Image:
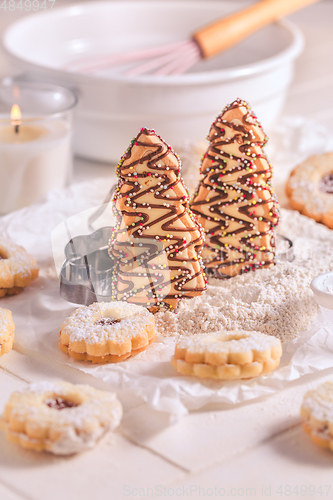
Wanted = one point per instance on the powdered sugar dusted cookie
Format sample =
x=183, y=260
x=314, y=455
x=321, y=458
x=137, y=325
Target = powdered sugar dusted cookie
x=310, y=188
x=107, y=332
x=227, y=356
x=7, y=328
x=317, y=415
x=17, y=268
x=60, y=418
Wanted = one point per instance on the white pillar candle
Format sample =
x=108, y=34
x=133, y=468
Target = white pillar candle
x=32, y=162
x=35, y=149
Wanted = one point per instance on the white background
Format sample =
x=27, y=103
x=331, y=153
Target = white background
x=246, y=451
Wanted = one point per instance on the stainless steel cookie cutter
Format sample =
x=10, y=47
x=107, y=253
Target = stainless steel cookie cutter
x=285, y=249
x=86, y=274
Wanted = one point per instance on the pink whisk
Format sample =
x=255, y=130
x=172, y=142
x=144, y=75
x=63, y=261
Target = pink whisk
x=178, y=57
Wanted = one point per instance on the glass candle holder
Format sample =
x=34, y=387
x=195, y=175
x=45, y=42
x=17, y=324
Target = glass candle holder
x=35, y=141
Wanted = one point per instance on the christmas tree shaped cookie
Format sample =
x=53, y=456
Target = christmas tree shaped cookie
x=157, y=243
x=235, y=202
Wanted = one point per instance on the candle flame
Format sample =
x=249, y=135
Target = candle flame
x=15, y=115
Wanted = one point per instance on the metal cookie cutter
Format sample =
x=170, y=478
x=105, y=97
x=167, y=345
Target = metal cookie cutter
x=284, y=249
x=86, y=274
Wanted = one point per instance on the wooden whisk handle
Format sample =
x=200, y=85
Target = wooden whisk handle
x=228, y=31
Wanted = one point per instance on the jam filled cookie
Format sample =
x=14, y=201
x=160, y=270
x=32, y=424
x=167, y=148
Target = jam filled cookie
x=227, y=356
x=317, y=415
x=17, y=268
x=310, y=188
x=107, y=332
x=60, y=418
x=7, y=328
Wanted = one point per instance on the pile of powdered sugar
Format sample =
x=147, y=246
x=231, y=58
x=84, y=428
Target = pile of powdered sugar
x=275, y=301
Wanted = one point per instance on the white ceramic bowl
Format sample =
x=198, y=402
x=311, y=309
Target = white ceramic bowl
x=322, y=287
x=114, y=107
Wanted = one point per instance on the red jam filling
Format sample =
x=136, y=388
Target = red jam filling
x=107, y=321
x=60, y=404
x=326, y=184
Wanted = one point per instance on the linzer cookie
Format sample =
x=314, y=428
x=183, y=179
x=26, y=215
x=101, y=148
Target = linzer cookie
x=317, y=415
x=17, y=268
x=107, y=332
x=7, y=329
x=60, y=418
x=227, y=356
x=157, y=242
x=310, y=188
x=235, y=202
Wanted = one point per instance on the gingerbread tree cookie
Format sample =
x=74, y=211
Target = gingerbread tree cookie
x=235, y=202
x=157, y=243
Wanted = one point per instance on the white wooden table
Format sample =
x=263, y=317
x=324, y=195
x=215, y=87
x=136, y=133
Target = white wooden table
x=253, y=450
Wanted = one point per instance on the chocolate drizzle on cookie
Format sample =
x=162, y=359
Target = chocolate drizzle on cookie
x=235, y=202
x=60, y=403
x=326, y=184
x=157, y=242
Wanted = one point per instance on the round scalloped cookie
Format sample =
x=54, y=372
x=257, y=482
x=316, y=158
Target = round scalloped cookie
x=17, y=268
x=107, y=332
x=60, y=418
x=227, y=356
x=310, y=188
x=7, y=329
x=317, y=415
